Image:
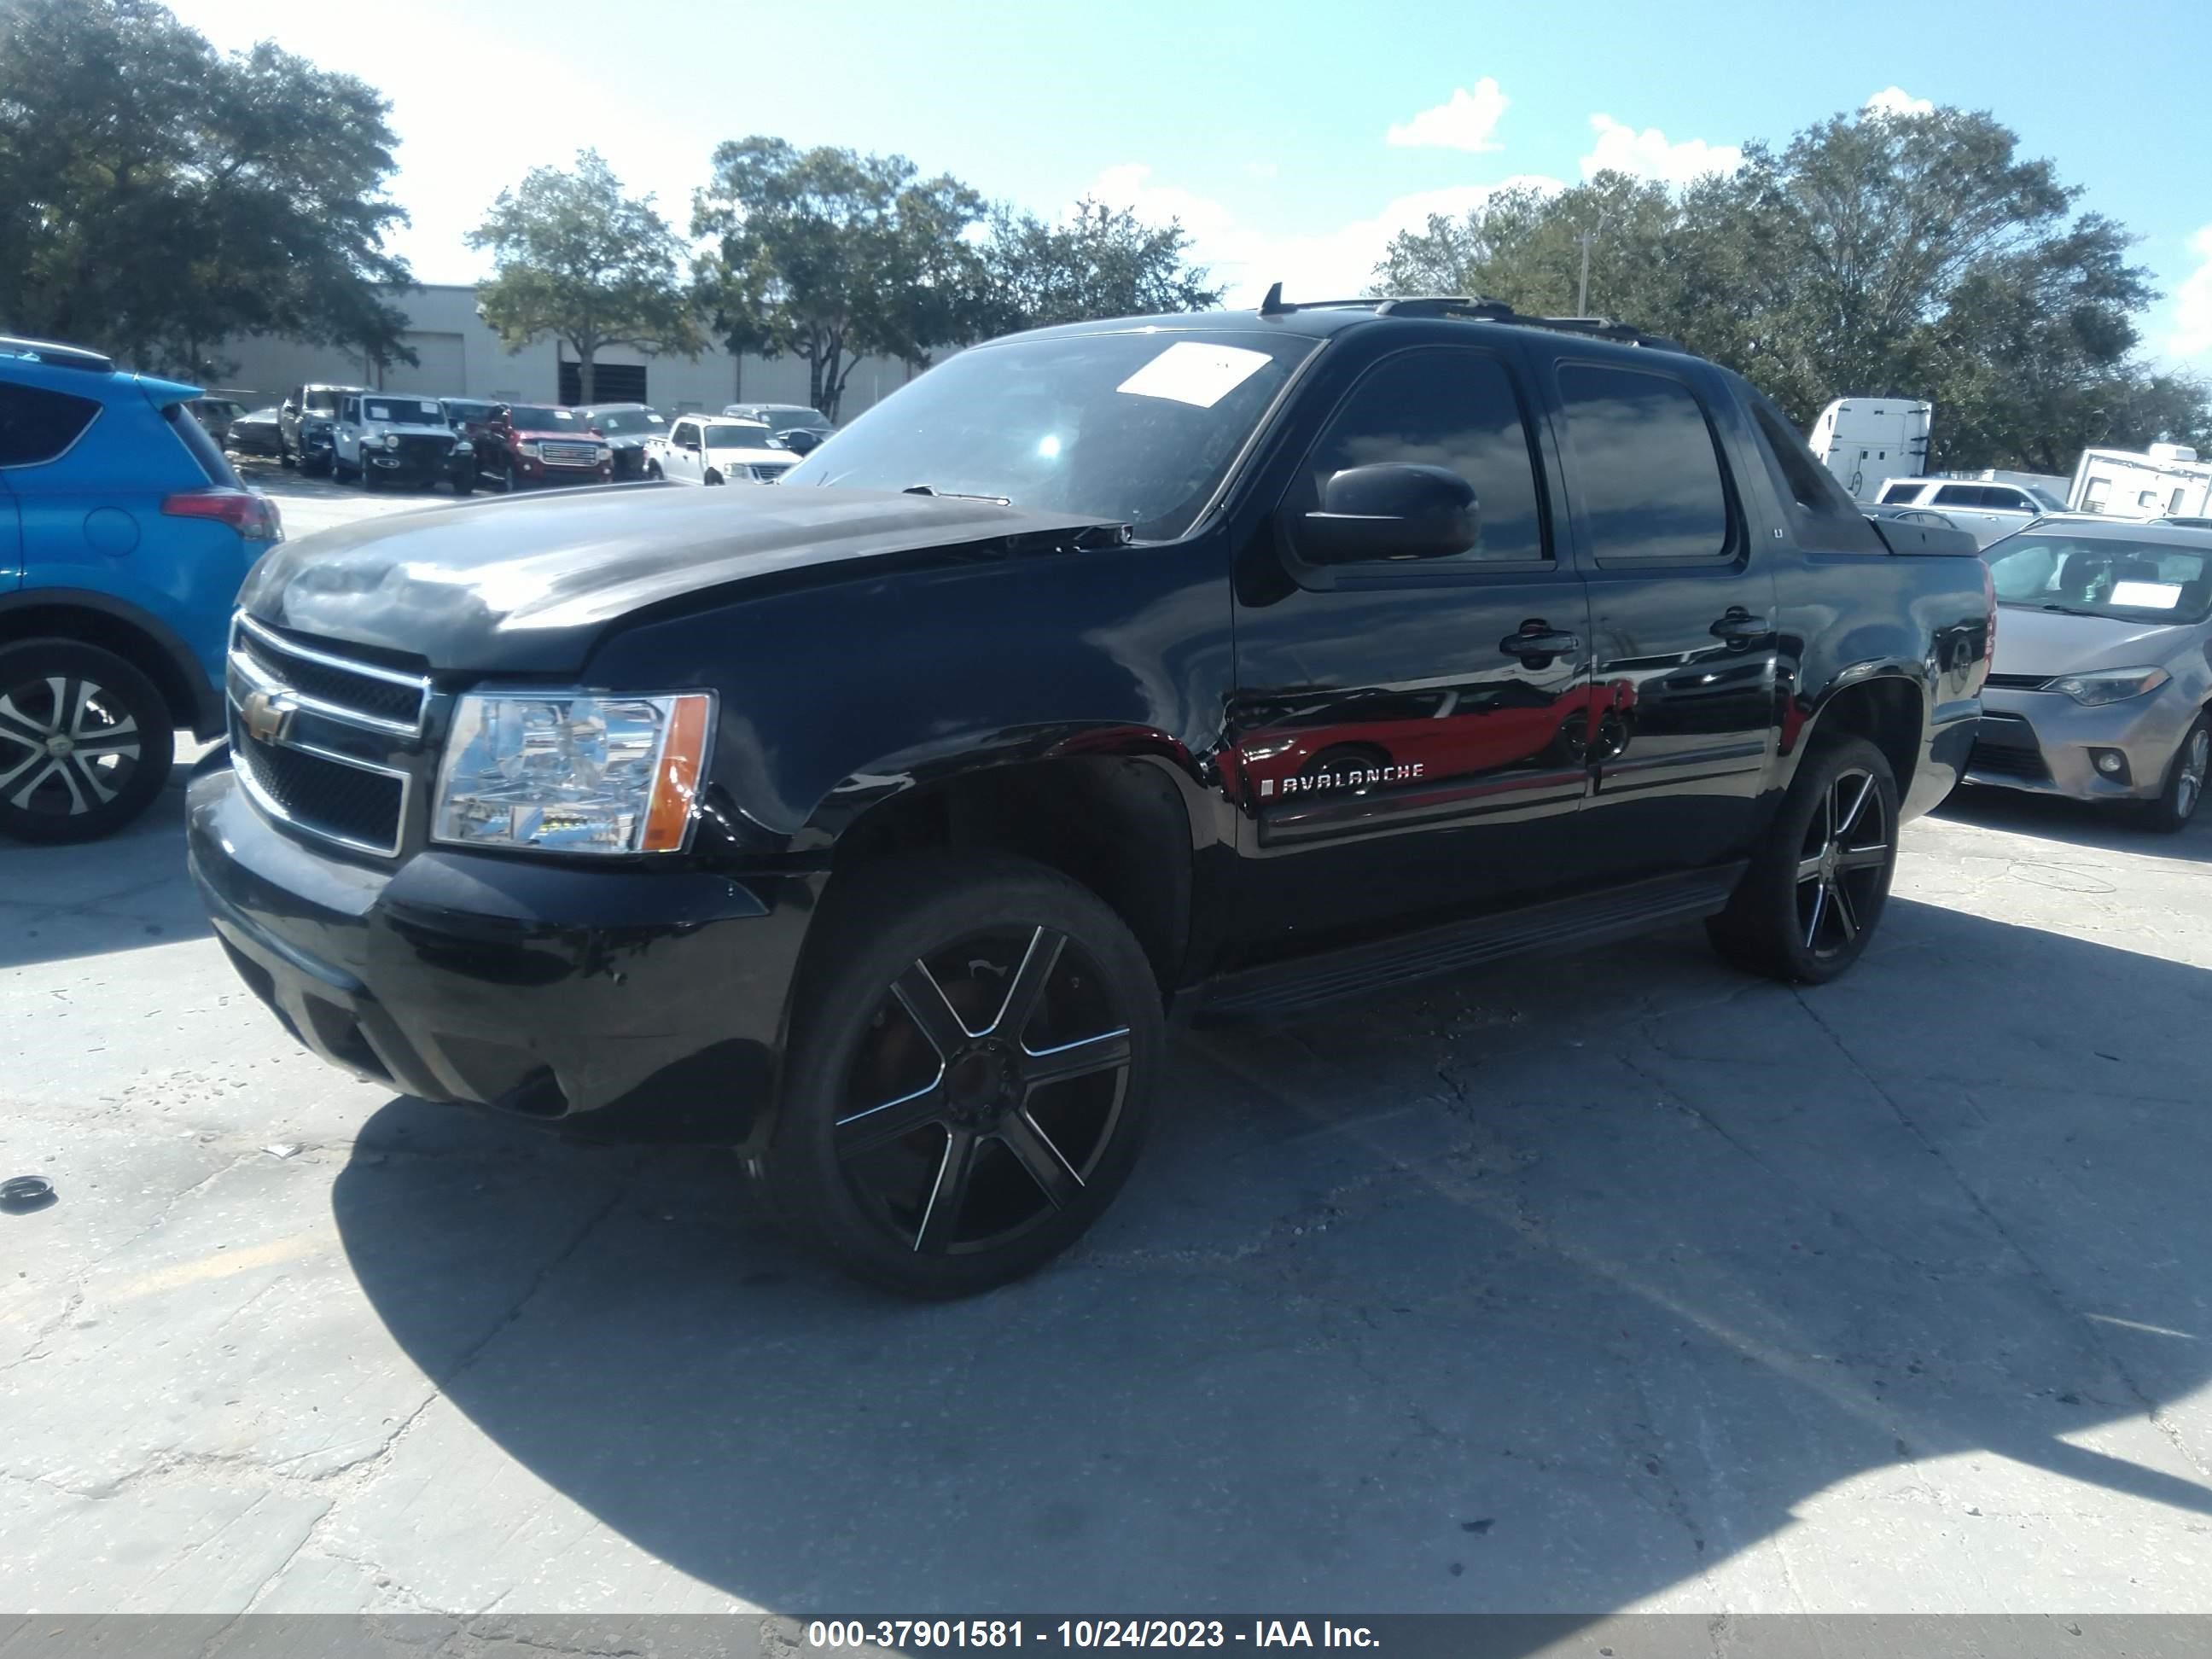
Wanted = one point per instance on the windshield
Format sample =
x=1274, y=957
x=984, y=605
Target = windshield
x=405, y=412
x=1137, y=428
x=531, y=418
x=617, y=423
x=458, y=408
x=737, y=437
x=2129, y=580
x=793, y=419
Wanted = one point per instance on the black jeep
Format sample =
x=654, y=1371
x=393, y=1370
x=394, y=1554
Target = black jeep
x=1200, y=664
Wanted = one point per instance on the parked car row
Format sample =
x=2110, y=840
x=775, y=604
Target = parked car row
x=358, y=435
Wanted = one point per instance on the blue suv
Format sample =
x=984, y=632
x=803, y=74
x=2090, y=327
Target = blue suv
x=124, y=537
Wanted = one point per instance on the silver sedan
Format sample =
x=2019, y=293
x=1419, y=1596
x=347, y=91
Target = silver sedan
x=2101, y=678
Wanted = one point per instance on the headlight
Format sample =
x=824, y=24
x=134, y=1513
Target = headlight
x=526, y=448
x=2109, y=684
x=463, y=447
x=391, y=441
x=571, y=772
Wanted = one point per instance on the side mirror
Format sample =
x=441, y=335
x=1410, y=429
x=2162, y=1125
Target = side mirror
x=1370, y=514
x=799, y=440
x=289, y=408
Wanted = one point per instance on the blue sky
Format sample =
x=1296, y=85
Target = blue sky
x=1291, y=139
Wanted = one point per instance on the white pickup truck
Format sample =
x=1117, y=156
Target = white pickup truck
x=713, y=449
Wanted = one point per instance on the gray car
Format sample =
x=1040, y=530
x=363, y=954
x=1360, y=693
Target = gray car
x=2101, y=678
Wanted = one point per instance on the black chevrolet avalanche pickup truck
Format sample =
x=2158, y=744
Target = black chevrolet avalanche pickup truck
x=1200, y=664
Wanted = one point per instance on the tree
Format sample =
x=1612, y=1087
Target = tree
x=578, y=260
x=832, y=256
x=157, y=197
x=1914, y=255
x=1101, y=262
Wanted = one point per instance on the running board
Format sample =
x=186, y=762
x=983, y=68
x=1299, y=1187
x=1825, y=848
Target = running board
x=1571, y=924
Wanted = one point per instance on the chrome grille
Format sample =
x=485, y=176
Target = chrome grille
x=568, y=454
x=325, y=744
x=2017, y=682
x=768, y=474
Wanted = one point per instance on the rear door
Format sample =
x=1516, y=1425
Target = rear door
x=1407, y=737
x=1682, y=606
x=686, y=457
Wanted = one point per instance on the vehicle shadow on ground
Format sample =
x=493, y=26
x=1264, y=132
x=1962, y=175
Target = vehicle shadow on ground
x=119, y=894
x=2076, y=823
x=1545, y=1290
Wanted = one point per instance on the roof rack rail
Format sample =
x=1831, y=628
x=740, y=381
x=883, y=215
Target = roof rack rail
x=1476, y=308
x=53, y=352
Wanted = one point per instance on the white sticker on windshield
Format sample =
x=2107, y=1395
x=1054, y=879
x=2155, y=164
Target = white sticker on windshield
x=2147, y=596
x=1190, y=372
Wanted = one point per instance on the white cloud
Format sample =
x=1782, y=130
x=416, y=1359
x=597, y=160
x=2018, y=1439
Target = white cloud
x=1328, y=264
x=1464, y=121
x=2192, y=305
x=1896, y=100
x=1262, y=169
x=1647, y=154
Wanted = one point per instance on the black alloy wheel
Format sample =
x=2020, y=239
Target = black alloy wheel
x=1843, y=867
x=971, y=1076
x=85, y=741
x=1809, y=904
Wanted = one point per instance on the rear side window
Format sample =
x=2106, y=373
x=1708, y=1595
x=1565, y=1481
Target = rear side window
x=37, y=425
x=205, y=449
x=1646, y=470
x=1441, y=407
x=1900, y=495
x=1826, y=518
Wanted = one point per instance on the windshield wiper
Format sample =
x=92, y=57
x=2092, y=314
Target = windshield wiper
x=2067, y=610
x=955, y=495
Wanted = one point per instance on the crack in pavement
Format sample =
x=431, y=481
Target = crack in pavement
x=461, y=1366
x=2041, y=1276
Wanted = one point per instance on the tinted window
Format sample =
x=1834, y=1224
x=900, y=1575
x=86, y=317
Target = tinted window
x=1455, y=409
x=1827, y=519
x=530, y=418
x=37, y=425
x=321, y=402
x=1897, y=494
x=750, y=436
x=208, y=453
x=1644, y=466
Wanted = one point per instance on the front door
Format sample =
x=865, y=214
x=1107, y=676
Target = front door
x=1407, y=738
x=1682, y=606
x=685, y=455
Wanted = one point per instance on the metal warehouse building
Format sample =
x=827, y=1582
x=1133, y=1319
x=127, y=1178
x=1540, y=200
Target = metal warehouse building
x=460, y=357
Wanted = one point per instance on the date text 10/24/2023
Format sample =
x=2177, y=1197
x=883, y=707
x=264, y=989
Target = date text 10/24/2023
x=914, y=1634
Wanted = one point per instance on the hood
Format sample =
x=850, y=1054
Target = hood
x=527, y=584
x=2050, y=642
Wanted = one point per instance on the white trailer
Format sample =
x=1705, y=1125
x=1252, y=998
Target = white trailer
x=1863, y=440
x=2165, y=481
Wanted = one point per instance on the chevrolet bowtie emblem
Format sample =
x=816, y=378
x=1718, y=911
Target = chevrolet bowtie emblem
x=267, y=715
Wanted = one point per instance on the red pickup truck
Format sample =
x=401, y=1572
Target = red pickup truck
x=521, y=444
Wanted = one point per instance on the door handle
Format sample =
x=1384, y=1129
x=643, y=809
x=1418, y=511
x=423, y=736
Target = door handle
x=1739, y=626
x=1538, y=640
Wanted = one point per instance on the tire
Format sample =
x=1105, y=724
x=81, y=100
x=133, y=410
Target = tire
x=904, y=1008
x=366, y=475
x=511, y=480
x=2176, y=803
x=713, y=478
x=118, y=733
x=1813, y=894
x=652, y=472
x=465, y=484
x=284, y=455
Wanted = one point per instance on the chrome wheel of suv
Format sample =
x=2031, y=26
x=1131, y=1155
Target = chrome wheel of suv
x=85, y=741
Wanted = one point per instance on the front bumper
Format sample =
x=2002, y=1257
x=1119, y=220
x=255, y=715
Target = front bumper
x=2046, y=744
x=421, y=463
x=539, y=471
x=541, y=989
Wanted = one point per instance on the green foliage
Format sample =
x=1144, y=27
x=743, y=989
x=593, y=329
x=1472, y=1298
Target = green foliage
x=1880, y=255
x=156, y=197
x=831, y=256
x=577, y=259
x=1101, y=262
